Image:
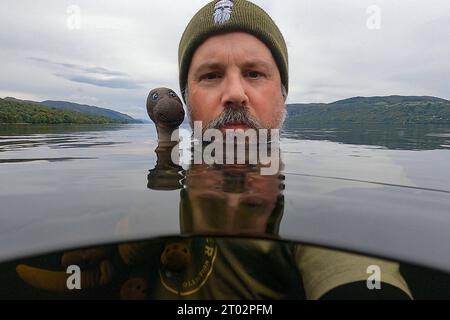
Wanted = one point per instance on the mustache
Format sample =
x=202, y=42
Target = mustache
x=234, y=115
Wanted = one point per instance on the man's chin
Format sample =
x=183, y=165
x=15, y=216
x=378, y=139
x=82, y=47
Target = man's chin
x=234, y=127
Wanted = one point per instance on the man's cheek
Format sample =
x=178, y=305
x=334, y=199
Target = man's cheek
x=196, y=112
x=265, y=113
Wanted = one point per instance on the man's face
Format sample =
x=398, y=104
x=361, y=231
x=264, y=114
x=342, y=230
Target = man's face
x=230, y=199
x=235, y=72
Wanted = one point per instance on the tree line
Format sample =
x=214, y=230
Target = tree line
x=18, y=112
x=398, y=110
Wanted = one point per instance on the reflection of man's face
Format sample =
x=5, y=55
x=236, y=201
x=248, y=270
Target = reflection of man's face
x=231, y=200
x=235, y=71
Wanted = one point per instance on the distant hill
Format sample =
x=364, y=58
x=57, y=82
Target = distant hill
x=389, y=109
x=92, y=110
x=15, y=111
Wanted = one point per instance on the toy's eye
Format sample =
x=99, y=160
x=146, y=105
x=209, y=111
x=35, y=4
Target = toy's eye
x=155, y=96
x=172, y=94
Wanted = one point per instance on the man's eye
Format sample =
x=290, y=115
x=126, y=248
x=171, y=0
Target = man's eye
x=251, y=205
x=253, y=202
x=211, y=76
x=253, y=74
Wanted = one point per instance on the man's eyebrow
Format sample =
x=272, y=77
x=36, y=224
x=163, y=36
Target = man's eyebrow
x=208, y=66
x=256, y=64
x=249, y=63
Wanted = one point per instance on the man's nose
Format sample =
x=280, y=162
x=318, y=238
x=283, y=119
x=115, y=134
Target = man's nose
x=234, y=95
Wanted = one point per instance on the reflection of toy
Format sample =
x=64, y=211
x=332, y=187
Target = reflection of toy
x=56, y=281
x=86, y=257
x=135, y=288
x=166, y=111
x=166, y=175
x=95, y=264
x=176, y=255
x=100, y=266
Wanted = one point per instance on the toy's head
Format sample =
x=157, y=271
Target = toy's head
x=165, y=108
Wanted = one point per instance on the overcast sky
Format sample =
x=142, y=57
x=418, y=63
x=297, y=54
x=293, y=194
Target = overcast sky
x=119, y=50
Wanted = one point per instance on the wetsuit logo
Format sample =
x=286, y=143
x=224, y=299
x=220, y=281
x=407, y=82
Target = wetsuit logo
x=223, y=11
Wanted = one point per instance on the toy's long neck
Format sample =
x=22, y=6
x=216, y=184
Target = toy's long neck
x=165, y=134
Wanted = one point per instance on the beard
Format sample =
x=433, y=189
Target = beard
x=232, y=115
x=240, y=115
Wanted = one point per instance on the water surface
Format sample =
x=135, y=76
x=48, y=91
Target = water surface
x=384, y=190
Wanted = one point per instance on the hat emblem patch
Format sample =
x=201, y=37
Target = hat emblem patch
x=222, y=11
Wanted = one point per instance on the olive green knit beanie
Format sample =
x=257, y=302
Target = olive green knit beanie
x=228, y=16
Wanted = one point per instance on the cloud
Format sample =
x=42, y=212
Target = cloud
x=99, y=70
x=97, y=76
x=115, y=83
x=333, y=55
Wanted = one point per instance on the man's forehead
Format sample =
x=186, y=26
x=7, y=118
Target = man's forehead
x=237, y=36
x=215, y=50
x=217, y=63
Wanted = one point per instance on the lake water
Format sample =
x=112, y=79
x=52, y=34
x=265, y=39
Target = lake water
x=381, y=190
x=77, y=185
